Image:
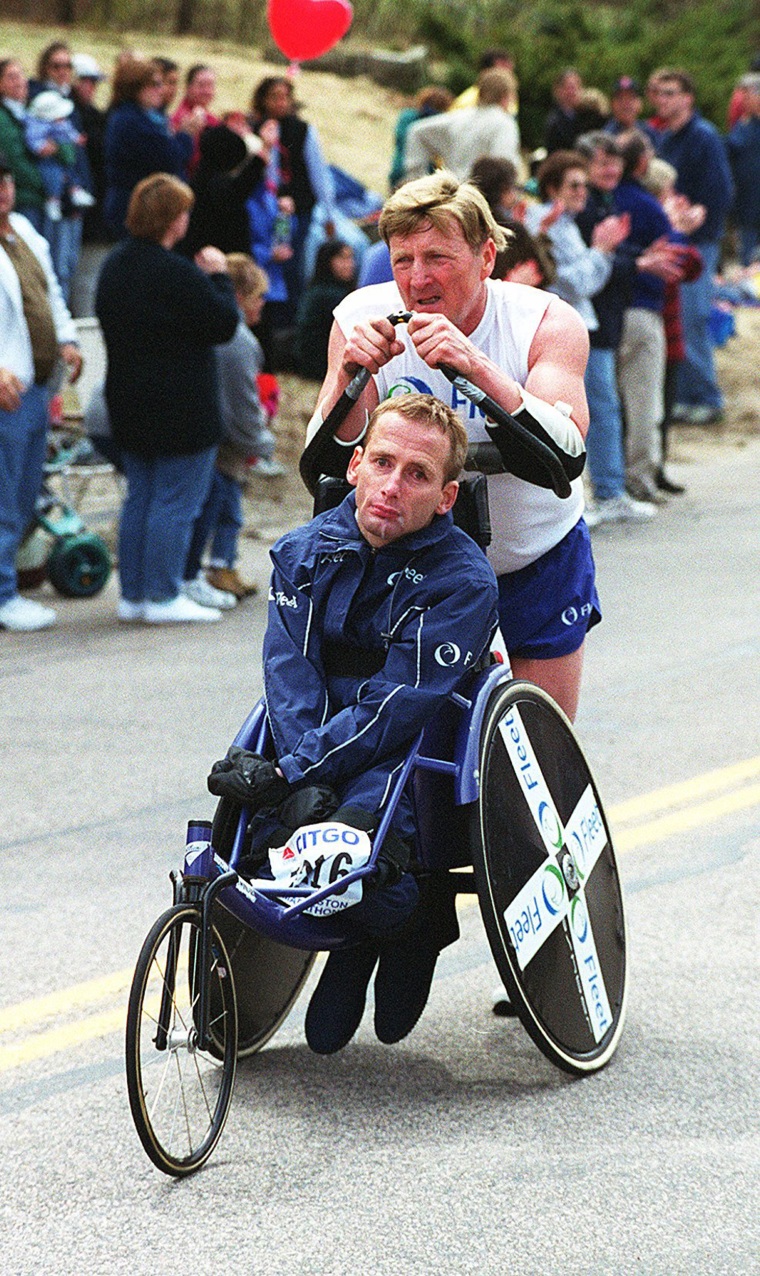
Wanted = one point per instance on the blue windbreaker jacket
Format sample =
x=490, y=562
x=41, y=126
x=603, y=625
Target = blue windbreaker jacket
x=363, y=645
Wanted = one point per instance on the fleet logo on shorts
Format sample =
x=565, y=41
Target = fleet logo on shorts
x=447, y=654
x=408, y=385
x=571, y=615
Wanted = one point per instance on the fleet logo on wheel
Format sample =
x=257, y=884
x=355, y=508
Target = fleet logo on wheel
x=532, y=782
x=594, y=991
x=536, y=911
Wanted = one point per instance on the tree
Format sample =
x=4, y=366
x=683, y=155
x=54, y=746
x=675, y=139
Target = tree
x=183, y=23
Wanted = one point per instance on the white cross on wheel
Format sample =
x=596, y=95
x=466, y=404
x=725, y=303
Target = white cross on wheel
x=555, y=894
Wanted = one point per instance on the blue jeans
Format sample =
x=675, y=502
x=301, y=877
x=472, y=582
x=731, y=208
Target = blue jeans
x=697, y=384
x=164, y=498
x=748, y=241
x=604, y=442
x=65, y=241
x=221, y=519
x=23, y=440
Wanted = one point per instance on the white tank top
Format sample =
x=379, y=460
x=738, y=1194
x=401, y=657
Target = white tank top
x=526, y=520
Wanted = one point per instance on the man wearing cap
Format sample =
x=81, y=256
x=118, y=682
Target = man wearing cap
x=626, y=103
x=36, y=330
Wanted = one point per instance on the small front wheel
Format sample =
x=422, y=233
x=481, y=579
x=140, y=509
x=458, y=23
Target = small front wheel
x=179, y=1094
x=79, y=565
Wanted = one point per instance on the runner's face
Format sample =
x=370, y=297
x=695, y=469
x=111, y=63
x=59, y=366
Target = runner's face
x=439, y=273
x=399, y=479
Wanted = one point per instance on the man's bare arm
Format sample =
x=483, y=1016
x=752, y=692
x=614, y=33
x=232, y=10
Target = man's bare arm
x=557, y=359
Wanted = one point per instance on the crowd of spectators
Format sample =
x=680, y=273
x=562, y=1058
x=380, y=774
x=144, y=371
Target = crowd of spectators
x=622, y=213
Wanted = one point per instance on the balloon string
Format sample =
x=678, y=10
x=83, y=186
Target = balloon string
x=293, y=70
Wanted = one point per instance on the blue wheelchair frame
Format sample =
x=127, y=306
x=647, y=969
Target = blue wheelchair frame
x=448, y=746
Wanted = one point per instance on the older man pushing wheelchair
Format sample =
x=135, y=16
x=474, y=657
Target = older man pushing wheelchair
x=378, y=609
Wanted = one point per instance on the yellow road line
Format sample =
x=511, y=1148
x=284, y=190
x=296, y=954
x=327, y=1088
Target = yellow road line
x=57, y=1039
x=54, y=1040
x=685, y=791
x=689, y=818
x=86, y=994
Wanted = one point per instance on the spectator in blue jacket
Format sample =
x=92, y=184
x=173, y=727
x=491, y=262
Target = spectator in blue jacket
x=138, y=139
x=377, y=610
x=743, y=146
x=696, y=150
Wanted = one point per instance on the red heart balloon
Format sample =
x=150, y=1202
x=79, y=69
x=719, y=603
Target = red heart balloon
x=305, y=29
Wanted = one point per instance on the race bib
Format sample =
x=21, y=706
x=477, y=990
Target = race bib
x=318, y=855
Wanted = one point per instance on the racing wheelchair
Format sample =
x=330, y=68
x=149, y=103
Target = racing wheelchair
x=505, y=806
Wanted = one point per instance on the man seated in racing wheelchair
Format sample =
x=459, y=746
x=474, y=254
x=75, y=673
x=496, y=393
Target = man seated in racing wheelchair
x=377, y=610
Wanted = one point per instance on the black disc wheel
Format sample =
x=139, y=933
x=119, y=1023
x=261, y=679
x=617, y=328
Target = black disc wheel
x=79, y=565
x=547, y=881
x=179, y=1094
x=268, y=978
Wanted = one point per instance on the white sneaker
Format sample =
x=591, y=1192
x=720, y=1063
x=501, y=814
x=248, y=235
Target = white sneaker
x=23, y=614
x=206, y=596
x=80, y=198
x=619, y=509
x=178, y=609
x=130, y=612
x=268, y=469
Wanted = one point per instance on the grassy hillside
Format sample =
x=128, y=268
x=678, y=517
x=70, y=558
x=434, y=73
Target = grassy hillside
x=714, y=39
x=355, y=121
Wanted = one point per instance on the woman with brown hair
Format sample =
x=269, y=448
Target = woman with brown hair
x=162, y=316
x=139, y=140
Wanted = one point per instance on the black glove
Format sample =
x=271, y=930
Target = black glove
x=248, y=778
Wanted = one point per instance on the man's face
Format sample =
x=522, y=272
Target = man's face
x=439, y=273
x=13, y=82
x=7, y=194
x=170, y=88
x=568, y=92
x=59, y=68
x=626, y=107
x=400, y=479
x=672, y=101
x=85, y=89
x=605, y=171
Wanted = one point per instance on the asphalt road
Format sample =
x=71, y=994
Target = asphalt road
x=461, y=1150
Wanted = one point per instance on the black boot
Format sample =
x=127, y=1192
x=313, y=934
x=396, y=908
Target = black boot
x=337, y=1004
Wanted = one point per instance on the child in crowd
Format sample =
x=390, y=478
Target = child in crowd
x=333, y=279
x=685, y=218
x=247, y=444
x=56, y=143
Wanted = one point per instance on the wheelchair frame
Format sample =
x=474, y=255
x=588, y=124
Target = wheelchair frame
x=523, y=811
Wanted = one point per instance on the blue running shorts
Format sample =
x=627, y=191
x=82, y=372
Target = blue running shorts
x=546, y=608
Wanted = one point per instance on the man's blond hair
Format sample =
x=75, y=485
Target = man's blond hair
x=431, y=414
x=437, y=200
x=247, y=278
x=496, y=85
